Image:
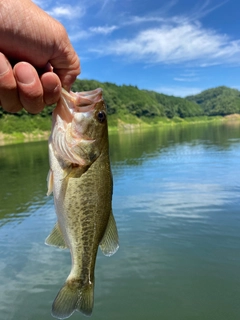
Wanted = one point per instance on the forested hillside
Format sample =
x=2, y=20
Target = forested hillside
x=218, y=101
x=129, y=104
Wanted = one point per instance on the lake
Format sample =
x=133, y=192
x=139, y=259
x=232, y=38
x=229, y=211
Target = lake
x=176, y=202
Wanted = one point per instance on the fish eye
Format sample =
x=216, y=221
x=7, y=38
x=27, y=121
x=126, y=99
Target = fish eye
x=101, y=116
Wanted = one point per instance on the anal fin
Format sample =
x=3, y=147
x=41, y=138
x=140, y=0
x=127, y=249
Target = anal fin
x=55, y=238
x=109, y=244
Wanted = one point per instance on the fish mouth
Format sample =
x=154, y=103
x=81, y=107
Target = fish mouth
x=71, y=102
x=83, y=101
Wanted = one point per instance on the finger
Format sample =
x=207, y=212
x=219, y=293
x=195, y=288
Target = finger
x=65, y=61
x=8, y=87
x=29, y=87
x=51, y=87
x=69, y=73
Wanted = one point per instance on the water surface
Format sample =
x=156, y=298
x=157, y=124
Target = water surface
x=176, y=203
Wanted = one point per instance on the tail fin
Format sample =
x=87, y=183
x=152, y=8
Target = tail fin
x=71, y=298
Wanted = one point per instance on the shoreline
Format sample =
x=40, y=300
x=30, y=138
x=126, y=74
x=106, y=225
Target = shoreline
x=25, y=137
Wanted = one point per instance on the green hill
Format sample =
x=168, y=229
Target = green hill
x=131, y=105
x=218, y=101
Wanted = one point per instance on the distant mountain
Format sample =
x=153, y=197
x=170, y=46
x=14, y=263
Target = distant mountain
x=218, y=101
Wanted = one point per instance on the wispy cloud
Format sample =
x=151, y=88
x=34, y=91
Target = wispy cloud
x=66, y=11
x=92, y=31
x=178, y=43
x=205, y=9
x=143, y=19
x=187, y=76
x=185, y=79
x=163, y=14
x=103, y=30
x=105, y=2
x=79, y=35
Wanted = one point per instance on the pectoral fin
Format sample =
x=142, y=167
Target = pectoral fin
x=109, y=244
x=56, y=238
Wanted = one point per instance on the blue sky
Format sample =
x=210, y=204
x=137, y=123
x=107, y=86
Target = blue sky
x=177, y=47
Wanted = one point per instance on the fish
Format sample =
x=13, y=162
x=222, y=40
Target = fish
x=81, y=181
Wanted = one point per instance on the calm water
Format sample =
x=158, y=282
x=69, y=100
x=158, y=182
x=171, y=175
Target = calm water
x=176, y=202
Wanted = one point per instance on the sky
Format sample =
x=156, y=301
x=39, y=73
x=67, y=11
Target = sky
x=176, y=47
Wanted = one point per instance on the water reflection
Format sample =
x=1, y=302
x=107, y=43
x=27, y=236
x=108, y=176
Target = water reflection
x=23, y=178
x=176, y=202
x=129, y=147
x=24, y=167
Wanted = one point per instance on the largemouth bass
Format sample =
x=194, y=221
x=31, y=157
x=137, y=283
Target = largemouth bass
x=81, y=181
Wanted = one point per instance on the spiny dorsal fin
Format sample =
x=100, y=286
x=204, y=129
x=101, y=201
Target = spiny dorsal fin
x=109, y=244
x=56, y=238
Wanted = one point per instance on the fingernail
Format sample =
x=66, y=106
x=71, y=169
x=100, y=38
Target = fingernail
x=24, y=73
x=4, y=67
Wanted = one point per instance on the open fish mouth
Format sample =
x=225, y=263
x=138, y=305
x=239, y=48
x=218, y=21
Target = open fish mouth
x=83, y=101
x=71, y=103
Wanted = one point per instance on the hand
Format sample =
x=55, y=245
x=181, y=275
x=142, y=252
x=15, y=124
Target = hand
x=38, y=42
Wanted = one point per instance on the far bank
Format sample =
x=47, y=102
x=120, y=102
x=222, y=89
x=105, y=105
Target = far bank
x=21, y=130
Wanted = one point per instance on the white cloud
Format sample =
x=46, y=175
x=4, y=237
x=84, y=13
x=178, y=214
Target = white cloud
x=103, y=30
x=187, y=76
x=176, y=43
x=66, y=11
x=138, y=20
x=79, y=35
x=186, y=79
